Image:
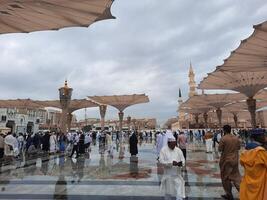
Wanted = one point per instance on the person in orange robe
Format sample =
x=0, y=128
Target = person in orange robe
x=254, y=183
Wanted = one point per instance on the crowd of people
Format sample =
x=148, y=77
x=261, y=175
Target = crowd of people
x=47, y=142
x=171, y=149
x=72, y=143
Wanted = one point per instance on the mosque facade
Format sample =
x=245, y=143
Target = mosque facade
x=182, y=122
x=186, y=121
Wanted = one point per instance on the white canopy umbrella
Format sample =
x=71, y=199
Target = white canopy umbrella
x=230, y=117
x=75, y=104
x=245, y=70
x=121, y=102
x=239, y=110
x=20, y=104
x=216, y=101
x=24, y=16
x=197, y=110
x=247, y=83
x=242, y=106
x=262, y=95
x=251, y=55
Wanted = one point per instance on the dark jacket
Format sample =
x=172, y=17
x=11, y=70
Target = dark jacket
x=133, y=144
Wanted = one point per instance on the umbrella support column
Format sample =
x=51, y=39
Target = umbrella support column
x=205, y=116
x=235, y=120
x=102, y=109
x=121, y=114
x=69, y=121
x=63, y=121
x=219, y=116
x=196, y=115
x=252, y=110
x=65, y=98
x=129, y=119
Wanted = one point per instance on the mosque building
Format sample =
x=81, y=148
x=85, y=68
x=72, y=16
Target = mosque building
x=192, y=82
x=182, y=122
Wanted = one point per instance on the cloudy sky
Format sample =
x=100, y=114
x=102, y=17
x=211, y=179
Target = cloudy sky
x=146, y=49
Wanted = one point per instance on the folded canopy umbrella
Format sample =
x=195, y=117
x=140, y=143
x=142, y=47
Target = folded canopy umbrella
x=26, y=16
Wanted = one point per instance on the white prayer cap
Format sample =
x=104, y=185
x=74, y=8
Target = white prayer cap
x=171, y=139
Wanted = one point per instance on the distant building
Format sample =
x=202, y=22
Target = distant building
x=135, y=124
x=78, y=125
x=171, y=122
x=22, y=120
x=52, y=120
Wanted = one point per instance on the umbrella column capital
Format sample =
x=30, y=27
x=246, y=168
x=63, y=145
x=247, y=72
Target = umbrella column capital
x=219, y=116
x=121, y=114
x=103, y=110
x=252, y=110
x=205, y=116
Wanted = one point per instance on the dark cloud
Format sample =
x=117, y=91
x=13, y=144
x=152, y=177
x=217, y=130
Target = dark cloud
x=147, y=49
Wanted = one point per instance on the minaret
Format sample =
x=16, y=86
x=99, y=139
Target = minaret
x=180, y=101
x=192, y=83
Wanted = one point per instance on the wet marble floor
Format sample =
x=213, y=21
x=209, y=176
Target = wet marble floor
x=98, y=176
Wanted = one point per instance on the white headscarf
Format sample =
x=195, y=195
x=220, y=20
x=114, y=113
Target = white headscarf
x=11, y=141
x=167, y=136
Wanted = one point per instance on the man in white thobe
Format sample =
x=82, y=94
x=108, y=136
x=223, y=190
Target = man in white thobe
x=159, y=143
x=53, y=143
x=109, y=144
x=172, y=183
x=209, y=142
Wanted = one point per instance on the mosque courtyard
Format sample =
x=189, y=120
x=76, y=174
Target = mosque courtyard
x=98, y=176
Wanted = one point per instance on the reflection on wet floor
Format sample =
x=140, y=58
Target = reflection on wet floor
x=102, y=175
